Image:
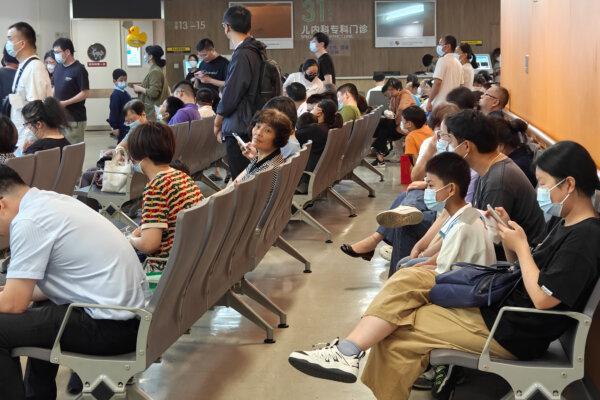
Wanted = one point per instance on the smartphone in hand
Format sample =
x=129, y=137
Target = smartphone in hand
x=495, y=215
x=241, y=143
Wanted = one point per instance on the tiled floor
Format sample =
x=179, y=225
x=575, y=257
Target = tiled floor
x=224, y=358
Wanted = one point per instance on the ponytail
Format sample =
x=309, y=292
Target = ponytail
x=49, y=111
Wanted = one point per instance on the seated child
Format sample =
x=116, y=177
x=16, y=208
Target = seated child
x=414, y=122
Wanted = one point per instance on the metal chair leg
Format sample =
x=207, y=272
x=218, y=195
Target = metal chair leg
x=302, y=215
x=252, y=291
x=208, y=182
x=291, y=250
x=362, y=183
x=238, y=304
x=368, y=166
x=340, y=199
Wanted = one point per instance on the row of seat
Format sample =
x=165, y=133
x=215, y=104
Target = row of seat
x=216, y=244
x=345, y=150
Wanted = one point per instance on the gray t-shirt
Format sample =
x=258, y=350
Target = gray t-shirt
x=505, y=185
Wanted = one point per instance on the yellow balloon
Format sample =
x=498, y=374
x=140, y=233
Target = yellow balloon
x=135, y=30
x=136, y=40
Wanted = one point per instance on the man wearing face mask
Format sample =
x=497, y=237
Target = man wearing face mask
x=71, y=88
x=31, y=80
x=501, y=182
x=448, y=72
x=238, y=102
x=308, y=77
x=318, y=45
x=212, y=70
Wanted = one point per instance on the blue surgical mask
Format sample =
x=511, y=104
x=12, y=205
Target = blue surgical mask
x=10, y=48
x=121, y=85
x=312, y=46
x=137, y=167
x=439, y=49
x=442, y=146
x=545, y=201
x=133, y=124
x=340, y=105
x=58, y=57
x=429, y=197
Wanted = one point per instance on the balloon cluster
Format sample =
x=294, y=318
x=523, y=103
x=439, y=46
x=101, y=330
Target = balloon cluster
x=136, y=38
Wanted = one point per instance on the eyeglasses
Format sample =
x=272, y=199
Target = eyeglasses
x=489, y=95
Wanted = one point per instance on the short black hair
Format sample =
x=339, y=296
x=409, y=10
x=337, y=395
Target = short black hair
x=568, y=158
x=186, y=86
x=117, y=73
x=392, y=83
x=135, y=105
x=305, y=119
x=416, y=115
x=309, y=62
x=64, y=44
x=451, y=168
x=50, y=54
x=475, y=127
x=378, y=76
x=462, y=97
x=238, y=18
x=195, y=57
x=285, y=105
x=174, y=104
x=322, y=38
x=504, y=96
x=205, y=95
x=349, y=88
x=205, y=44
x=451, y=40
x=413, y=79
x=296, y=91
x=8, y=135
x=152, y=140
x=9, y=179
x=331, y=116
x=278, y=121
x=509, y=133
x=26, y=31
x=49, y=111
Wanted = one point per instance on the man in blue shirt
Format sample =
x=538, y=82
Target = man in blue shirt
x=62, y=252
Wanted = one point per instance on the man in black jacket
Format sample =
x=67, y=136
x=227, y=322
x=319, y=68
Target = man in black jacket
x=238, y=100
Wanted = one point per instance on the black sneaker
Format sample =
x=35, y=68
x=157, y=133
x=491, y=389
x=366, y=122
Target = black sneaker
x=425, y=381
x=444, y=381
x=215, y=178
x=377, y=163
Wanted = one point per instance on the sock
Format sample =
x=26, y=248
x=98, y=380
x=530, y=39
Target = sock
x=348, y=348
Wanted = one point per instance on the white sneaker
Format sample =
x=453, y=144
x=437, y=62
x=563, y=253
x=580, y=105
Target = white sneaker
x=399, y=216
x=327, y=363
x=385, y=252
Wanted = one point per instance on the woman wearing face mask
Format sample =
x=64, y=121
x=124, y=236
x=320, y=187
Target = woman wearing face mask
x=168, y=191
x=193, y=61
x=467, y=59
x=154, y=88
x=309, y=77
x=45, y=119
x=50, y=63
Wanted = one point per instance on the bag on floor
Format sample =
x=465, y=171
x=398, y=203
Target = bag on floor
x=116, y=172
x=472, y=285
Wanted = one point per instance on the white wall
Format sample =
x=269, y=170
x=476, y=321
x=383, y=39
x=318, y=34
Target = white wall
x=49, y=18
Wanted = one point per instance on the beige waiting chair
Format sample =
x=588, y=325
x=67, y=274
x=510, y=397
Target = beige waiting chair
x=24, y=166
x=47, y=163
x=71, y=166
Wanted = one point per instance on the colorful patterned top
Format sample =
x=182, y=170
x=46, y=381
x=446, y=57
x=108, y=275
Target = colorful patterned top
x=165, y=196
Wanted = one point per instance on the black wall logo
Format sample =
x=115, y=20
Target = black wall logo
x=96, y=52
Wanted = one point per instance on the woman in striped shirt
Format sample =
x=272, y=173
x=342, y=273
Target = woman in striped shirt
x=168, y=191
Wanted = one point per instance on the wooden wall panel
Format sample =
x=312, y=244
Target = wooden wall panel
x=560, y=93
x=357, y=56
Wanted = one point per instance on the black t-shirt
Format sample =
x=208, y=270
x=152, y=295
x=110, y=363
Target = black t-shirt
x=46, y=144
x=318, y=134
x=505, y=185
x=7, y=77
x=216, y=69
x=68, y=82
x=569, y=263
x=523, y=157
x=326, y=67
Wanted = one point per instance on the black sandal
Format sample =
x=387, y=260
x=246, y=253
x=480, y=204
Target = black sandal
x=347, y=248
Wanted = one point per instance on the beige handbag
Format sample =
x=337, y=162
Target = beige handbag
x=116, y=172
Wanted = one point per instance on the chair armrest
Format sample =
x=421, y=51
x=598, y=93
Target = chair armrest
x=125, y=218
x=145, y=318
x=581, y=318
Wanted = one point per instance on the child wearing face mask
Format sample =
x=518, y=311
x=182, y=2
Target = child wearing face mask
x=118, y=99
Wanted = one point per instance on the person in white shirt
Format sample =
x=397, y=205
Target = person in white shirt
x=62, y=252
x=205, y=99
x=448, y=73
x=309, y=77
x=32, y=81
x=467, y=60
x=379, y=79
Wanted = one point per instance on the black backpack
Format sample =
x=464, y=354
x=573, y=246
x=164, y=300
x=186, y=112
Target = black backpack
x=269, y=82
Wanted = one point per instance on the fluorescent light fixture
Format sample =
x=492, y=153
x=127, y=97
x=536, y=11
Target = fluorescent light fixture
x=404, y=12
x=415, y=22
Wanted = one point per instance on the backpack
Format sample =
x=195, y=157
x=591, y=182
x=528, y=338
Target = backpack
x=269, y=82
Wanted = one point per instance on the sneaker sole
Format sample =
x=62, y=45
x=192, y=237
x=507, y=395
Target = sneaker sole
x=391, y=219
x=319, y=372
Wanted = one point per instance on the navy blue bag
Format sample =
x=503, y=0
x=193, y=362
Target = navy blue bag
x=473, y=285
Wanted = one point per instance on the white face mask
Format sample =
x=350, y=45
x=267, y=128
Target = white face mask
x=193, y=64
x=50, y=67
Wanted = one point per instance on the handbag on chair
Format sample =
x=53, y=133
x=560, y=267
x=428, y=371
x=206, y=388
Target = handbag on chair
x=116, y=172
